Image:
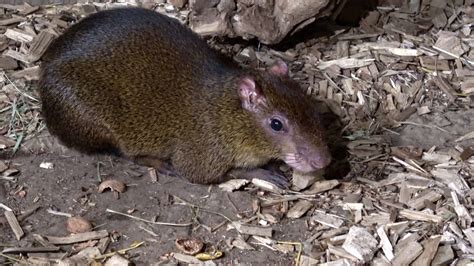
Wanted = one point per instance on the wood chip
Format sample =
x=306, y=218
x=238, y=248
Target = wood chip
x=407, y=254
x=81, y=237
x=433, y=63
x=17, y=56
x=386, y=245
x=340, y=252
x=39, y=45
x=327, y=219
x=449, y=44
x=397, y=51
x=444, y=255
x=19, y=35
x=436, y=157
x=14, y=224
x=467, y=86
x=360, y=243
x=10, y=21
x=241, y=244
x=445, y=87
x=420, y=216
x=468, y=136
x=418, y=203
x=322, y=186
x=462, y=212
x=233, y=184
x=299, y=209
x=31, y=73
x=345, y=63
x=252, y=230
x=430, y=246
x=405, y=194
x=40, y=239
x=306, y=260
x=268, y=186
x=23, y=250
x=301, y=181
x=452, y=179
x=8, y=63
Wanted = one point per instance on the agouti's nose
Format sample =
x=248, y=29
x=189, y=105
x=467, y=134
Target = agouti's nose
x=320, y=160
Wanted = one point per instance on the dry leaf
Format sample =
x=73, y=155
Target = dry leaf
x=208, y=256
x=78, y=224
x=189, y=246
x=113, y=184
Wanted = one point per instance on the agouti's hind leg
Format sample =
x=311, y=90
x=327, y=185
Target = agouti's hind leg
x=271, y=176
x=163, y=167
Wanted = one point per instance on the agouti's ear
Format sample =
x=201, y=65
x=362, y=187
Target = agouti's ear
x=250, y=95
x=279, y=68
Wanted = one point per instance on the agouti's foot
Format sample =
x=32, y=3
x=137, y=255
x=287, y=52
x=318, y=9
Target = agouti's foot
x=161, y=166
x=271, y=176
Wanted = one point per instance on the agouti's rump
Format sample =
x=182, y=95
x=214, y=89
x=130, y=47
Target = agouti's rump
x=139, y=84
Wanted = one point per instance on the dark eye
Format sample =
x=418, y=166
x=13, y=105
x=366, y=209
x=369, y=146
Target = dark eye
x=276, y=124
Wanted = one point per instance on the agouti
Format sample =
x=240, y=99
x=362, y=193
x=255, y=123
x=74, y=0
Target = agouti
x=139, y=84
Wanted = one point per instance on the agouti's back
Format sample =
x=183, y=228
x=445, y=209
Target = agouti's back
x=125, y=76
x=137, y=83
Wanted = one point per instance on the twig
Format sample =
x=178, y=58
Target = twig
x=121, y=251
x=203, y=209
x=16, y=88
x=148, y=231
x=59, y=213
x=300, y=249
x=27, y=213
x=5, y=207
x=147, y=221
x=421, y=125
x=13, y=259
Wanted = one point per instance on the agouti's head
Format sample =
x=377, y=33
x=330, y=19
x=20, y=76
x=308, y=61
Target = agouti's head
x=287, y=116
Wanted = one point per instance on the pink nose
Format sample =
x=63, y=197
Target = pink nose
x=320, y=159
x=321, y=162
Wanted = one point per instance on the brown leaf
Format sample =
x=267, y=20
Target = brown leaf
x=78, y=224
x=189, y=246
x=113, y=184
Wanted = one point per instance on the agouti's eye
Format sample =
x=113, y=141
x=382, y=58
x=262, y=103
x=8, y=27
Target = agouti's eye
x=276, y=124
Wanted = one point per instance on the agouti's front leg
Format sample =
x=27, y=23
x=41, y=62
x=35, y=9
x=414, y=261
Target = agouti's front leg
x=162, y=166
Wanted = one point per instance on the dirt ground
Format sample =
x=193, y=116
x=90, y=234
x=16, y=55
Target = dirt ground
x=71, y=186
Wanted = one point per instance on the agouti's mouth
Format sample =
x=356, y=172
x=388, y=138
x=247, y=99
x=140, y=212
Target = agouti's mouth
x=303, y=163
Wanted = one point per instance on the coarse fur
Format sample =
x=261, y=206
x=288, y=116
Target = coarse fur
x=139, y=84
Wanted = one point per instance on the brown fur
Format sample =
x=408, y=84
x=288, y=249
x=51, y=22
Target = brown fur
x=139, y=84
